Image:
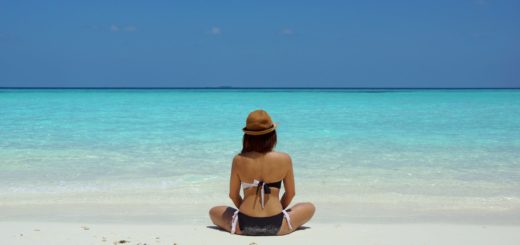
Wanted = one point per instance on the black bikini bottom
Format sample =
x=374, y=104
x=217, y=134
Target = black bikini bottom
x=260, y=226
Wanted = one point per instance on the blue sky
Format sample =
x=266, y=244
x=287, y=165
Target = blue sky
x=462, y=43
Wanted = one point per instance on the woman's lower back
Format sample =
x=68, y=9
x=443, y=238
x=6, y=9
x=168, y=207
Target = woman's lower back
x=251, y=204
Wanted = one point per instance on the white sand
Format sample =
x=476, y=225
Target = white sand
x=73, y=233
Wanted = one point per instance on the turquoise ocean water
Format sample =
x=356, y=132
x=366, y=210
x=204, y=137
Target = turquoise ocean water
x=358, y=154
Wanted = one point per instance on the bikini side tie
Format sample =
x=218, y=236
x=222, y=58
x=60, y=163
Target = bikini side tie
x=234, y=222
x=288, y=218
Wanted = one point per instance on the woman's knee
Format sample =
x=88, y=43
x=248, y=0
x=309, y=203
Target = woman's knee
x=310, y=207
x=212, y=211
x=306, y=210
x=215, y=212
x=307, y=206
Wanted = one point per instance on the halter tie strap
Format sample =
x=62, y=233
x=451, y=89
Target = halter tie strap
x=262, y=188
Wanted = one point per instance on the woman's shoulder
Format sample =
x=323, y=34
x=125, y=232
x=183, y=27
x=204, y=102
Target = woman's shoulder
x=274, y=155
x=280, y=155
x=280, y=158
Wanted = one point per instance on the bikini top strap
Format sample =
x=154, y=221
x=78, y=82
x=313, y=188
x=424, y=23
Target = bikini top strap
x=261, y=187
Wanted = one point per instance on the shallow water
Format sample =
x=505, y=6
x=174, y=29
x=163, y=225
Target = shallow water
x=427, y=152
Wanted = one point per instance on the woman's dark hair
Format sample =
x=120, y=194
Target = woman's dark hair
x=259, y=143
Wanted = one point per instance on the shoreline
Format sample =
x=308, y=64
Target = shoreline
x=197, y=214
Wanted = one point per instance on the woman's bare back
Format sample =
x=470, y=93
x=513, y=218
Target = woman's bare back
x=269, y=167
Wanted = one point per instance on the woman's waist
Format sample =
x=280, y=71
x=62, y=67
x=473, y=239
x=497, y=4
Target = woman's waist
x=255, y=209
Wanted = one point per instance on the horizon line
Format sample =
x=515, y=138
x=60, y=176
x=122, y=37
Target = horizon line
x=237, y=87
x=227, y=87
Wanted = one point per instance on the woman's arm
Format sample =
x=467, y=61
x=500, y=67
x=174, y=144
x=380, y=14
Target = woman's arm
x=288, y=184
x=234, y=184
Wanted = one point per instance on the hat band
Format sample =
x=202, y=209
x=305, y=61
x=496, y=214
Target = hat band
x=265, y=131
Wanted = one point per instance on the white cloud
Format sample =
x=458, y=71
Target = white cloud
x=287, y=31
x=130, y=29
x=215, y=31
x=91, y=27
x=116, y=28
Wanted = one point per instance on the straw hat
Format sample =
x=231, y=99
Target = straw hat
x=259, y=122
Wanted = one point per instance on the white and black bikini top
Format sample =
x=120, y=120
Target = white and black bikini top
x=262, y=187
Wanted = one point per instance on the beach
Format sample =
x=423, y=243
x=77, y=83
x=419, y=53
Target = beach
x=382, y=166
x=79, y=233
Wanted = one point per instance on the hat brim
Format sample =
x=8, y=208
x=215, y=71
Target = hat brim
x=265, y=131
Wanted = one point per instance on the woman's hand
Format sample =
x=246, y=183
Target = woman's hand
x=234, y=184
x=288, y=184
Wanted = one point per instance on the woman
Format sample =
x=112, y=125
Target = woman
x=260, y=171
